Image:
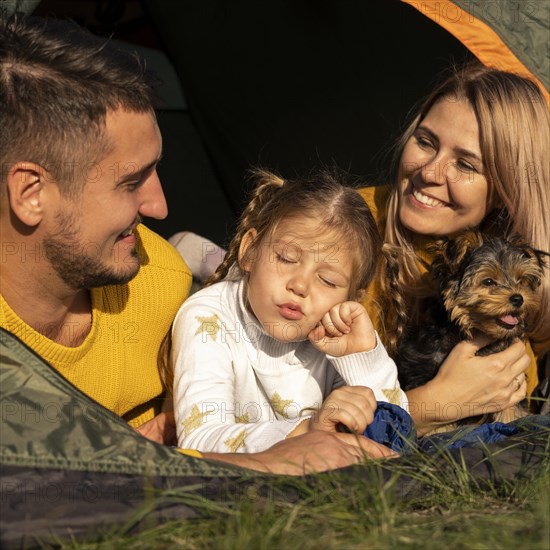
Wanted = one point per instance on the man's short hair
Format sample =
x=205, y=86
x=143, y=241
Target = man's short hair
x=57, y=84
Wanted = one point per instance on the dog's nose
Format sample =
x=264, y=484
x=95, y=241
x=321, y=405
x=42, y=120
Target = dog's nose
x=516, y=300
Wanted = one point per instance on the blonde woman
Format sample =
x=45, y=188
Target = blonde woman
x=476, y=155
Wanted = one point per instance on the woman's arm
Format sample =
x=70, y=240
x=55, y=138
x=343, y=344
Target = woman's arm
x=469, y=385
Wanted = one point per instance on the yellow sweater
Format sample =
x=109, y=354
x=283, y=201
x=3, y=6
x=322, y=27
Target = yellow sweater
x=377, y=198
x=117, y=363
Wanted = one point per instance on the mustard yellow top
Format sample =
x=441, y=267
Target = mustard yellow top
x=117, y=363
x=377, y=198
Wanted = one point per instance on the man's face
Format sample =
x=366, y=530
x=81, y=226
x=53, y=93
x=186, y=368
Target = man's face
x=90, y=239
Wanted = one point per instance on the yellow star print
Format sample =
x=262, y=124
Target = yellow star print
x=393, y=395
x=280, y=405
x=194, y=420
x=235, y=443
x=243, y=419
x=209, y=325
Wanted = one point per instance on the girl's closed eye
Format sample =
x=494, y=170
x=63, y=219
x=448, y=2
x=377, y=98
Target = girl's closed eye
x=287, y=253
x=333, y=279
x=327, y=281
x=284, y=259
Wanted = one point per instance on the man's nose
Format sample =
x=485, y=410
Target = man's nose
x=153, y=201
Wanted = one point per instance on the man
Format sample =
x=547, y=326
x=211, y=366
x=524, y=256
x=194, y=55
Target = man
x=84, y=283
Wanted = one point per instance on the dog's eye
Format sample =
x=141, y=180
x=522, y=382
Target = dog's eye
x=488, y=282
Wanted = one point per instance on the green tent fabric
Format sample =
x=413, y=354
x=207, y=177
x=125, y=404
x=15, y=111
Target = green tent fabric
x=524, y=27
x=40, y=407
x=289, y=85
x=69, y=468
x=508, y=34
x=67, y=463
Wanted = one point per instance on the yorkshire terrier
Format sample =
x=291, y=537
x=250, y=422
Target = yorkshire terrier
x=486, y=285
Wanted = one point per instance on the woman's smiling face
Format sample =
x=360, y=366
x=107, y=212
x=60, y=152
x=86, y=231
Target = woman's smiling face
x=443, y=189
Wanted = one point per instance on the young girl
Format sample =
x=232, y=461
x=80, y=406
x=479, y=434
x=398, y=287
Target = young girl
x=275, y=346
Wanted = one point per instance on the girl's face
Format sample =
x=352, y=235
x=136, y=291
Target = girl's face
x=443, y=189
x=300, y=272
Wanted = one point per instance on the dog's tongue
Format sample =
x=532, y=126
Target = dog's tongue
x=509, y=319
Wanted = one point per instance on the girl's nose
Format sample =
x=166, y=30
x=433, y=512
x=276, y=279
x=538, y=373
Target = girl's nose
x=298, y=284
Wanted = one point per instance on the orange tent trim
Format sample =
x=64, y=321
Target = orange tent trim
x=476, y=35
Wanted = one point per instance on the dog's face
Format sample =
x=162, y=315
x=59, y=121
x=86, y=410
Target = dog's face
x=488, y=284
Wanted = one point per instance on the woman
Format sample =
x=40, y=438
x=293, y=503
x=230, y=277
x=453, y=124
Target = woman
x=476, y=155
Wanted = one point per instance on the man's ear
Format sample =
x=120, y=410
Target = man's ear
x=245, y=259
x=25, y=184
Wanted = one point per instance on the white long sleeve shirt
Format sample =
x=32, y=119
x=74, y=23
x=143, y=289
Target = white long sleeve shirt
x=237, y=389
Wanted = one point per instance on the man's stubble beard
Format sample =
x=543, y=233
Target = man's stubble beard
x=75, y=261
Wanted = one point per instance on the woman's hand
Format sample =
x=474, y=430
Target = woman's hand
x=469, y=385
x=352, y=406
x=346, y=328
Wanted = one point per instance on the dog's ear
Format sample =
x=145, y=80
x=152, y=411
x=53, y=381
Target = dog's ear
x=540, y=256
x=450, y=252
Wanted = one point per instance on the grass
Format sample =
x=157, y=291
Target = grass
x=439, y=507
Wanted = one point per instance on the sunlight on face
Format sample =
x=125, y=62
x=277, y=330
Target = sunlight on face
x=299, y=273
x=443, y=188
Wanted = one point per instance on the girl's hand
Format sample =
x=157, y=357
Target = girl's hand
x=352, y=406
x=346, y=328
x=469, y=385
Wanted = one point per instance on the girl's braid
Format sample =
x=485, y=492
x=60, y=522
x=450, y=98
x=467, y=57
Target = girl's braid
x=255, y=215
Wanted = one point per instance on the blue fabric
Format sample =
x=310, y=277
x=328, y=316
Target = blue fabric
x=468, y=436
x=474, y=436
x=392, y=426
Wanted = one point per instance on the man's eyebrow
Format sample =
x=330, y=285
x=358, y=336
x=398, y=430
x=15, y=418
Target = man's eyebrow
x=139, y=171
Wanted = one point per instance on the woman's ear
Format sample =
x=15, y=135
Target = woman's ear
x=25, y=184
x=245, y=258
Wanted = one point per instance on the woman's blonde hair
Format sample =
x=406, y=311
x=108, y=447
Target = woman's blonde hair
x=514, y=135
